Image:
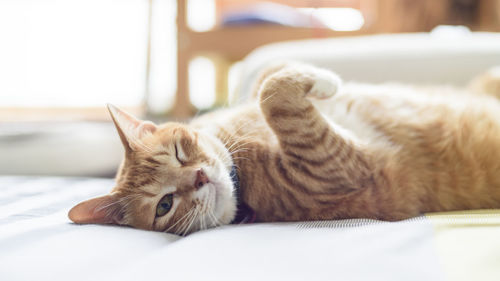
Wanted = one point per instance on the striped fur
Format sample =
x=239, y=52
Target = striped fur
x=308, y=148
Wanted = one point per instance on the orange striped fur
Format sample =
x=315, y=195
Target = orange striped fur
x=308, y=148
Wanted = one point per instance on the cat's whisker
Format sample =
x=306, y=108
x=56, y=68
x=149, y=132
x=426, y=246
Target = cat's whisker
x=225, y=138
x=269, y=97
x=207, y=201
x=242, y=158
x=236, y=146
x=228, y=157
x=191, y=220
x=238, y=140
x=239, y=150
x=180, y=220
x=125, y=199
x=202, y=222
x=184, y=225
x=237, y=153
x=211, y=219
x=232, y=149
x=124, y=202
x=248, y=131
x=223, y=156
x=129, y=202
x=203, y=212
x=231, y=136
x=187, y=220
x=232, y=146
x=211, y=214
x=215, y=221
x=194, y=217
x=235, y=159
x=209, y=208
x=243, y=124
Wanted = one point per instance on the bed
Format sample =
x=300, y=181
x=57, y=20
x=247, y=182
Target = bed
x=38, y=242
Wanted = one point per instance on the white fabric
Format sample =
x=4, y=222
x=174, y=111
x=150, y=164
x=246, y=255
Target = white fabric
x=38, y=242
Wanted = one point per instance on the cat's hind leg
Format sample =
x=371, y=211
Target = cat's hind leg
x=312, y=149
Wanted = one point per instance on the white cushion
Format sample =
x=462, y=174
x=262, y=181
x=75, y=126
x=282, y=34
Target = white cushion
x=421, y=58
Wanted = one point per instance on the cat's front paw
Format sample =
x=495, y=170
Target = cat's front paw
x=326, y=83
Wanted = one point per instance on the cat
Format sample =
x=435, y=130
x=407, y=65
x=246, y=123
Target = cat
x=307, y=148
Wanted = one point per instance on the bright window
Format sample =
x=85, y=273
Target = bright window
x=85, y=52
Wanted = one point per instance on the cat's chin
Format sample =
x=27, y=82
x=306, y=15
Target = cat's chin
x=224, y=207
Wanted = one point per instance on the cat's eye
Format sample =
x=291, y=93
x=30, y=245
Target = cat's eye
x=164, y=205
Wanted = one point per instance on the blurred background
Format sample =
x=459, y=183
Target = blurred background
x=61, y=61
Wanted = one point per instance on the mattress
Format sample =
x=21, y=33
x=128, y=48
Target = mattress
x=38, y=242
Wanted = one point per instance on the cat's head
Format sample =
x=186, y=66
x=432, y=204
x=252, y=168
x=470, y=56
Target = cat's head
x=173, y=178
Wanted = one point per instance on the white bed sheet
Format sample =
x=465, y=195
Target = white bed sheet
x=38, y=242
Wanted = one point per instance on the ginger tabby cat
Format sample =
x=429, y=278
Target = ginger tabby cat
x=307, y=149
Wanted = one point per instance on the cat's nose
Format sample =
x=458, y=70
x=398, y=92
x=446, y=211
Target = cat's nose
x=201, y=179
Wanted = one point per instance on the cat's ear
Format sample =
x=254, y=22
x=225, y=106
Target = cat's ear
x=130, y=129
x=105, y=209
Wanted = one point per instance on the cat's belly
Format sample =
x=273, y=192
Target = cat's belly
x=347, y=120
x=368, y=113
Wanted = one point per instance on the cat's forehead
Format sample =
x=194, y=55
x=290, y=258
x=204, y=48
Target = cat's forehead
x=171, y=132
x=159, y=149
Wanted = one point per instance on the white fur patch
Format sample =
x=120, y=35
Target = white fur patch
x=326, y=83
